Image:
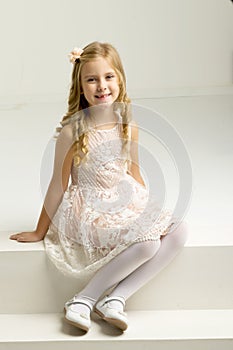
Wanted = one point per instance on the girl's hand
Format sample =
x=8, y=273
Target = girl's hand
x=24, y=237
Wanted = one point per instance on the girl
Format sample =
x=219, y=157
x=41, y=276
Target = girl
x=103, y=224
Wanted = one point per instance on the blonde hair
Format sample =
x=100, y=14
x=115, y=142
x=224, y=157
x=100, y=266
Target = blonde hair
x=77, y=103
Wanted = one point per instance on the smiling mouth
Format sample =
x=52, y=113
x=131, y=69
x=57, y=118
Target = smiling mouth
x=102, y=96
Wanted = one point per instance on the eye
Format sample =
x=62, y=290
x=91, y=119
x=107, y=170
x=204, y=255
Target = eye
x=91, y=80
x=110, y=76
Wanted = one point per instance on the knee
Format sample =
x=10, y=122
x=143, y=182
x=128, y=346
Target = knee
x=146, y=250
x=180, y=235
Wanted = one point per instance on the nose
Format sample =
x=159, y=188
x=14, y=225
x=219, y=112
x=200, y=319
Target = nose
x=102, y=85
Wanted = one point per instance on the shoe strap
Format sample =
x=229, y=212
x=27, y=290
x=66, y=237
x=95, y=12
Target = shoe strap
x=75, y=301
x=121, y=299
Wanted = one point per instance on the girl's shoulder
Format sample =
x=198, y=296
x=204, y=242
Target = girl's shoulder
x=66, y=132
x=66, y=137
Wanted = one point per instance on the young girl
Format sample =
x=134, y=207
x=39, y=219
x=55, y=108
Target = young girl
x=103, y=224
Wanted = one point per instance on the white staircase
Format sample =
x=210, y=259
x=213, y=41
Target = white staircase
x=189, y=304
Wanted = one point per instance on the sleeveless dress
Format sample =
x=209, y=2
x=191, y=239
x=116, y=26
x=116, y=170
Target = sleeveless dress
x=103, y=211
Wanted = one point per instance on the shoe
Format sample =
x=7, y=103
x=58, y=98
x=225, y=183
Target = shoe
x=111, y=315
x=77, y=319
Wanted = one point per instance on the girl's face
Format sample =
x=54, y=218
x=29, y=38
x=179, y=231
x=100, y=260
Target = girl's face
x=99, y=81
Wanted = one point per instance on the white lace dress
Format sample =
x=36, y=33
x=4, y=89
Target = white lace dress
x=103, y=211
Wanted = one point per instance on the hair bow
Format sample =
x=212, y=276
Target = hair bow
x=75, y=54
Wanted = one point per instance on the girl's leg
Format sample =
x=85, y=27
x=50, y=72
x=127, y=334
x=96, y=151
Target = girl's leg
x=171, y=244
x=116, y=270
x=134, y=267
x=120, y=267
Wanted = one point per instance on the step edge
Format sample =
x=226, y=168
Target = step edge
x=42, y=249
x=127, y=337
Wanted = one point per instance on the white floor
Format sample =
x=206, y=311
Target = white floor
x=204, y=123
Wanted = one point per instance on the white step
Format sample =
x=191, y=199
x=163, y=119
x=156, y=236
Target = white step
x=160, y=330
x=198, y=278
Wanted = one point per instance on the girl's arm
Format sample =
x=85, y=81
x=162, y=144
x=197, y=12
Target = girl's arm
x=133, y=168
x=58, y=185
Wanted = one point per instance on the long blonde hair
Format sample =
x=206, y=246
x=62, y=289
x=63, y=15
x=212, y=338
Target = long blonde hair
x=77, y=103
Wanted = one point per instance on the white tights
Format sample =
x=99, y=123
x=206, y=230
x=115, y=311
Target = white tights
x=135, y=266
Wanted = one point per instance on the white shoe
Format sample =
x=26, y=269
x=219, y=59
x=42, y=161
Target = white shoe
x=78, y=319
x=112, y=315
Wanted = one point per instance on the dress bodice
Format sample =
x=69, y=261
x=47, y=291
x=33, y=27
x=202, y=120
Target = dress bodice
x=105, y=164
